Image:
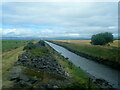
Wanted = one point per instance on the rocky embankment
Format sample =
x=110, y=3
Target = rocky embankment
x=43, y=71
x=48, y=64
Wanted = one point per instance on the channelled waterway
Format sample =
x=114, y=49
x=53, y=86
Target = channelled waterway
x=93, y=68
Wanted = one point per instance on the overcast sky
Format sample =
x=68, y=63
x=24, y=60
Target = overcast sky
x=50, y=19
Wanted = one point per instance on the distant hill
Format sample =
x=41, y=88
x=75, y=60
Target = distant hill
x=18, y=38
x=51, y=38
x=55, y=38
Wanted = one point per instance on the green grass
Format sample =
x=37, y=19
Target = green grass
x=76, y=73
x=109, y=53
x=10, y=55
x=8, y=60
x=12, y=44
x=37, y=49
x=41, y=51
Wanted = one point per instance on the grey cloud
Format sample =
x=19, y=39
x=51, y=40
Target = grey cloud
x=78, y=18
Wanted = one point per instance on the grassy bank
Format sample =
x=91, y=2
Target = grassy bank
x=104, y=54
x=8, y=60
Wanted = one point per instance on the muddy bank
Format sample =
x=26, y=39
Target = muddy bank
x=109, y=63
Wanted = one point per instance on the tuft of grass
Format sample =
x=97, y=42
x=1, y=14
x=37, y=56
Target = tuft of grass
x=37, y=49
x=38, y=52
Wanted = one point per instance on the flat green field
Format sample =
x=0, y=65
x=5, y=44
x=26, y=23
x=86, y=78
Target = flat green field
x=12, y=44
x=109, y=53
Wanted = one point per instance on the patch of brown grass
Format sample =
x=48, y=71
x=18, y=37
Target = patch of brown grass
x=116, y=43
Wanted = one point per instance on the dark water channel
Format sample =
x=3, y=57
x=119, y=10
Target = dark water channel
x=95, y=69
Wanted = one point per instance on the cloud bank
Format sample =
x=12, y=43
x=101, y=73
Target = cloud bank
x=53, y=19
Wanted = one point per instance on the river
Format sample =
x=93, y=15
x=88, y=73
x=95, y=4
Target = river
x=93, y=68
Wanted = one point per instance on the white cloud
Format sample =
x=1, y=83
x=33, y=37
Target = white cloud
x=72, y=35
x=6, y=31
x=47, y=31
x=61, y=1
x=59, y=19
x=16, y=32
x=112, y=27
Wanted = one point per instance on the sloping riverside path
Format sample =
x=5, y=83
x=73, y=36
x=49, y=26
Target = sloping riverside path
x=93, y=68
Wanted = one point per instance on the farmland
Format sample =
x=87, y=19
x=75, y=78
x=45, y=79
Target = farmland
x=106, y=53
x=13, y=44
x=34, y=60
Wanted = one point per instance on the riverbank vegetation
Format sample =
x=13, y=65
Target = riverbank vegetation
x=32, y=68
x=104, y=54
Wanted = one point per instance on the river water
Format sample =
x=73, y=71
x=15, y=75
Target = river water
x=93, y=68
